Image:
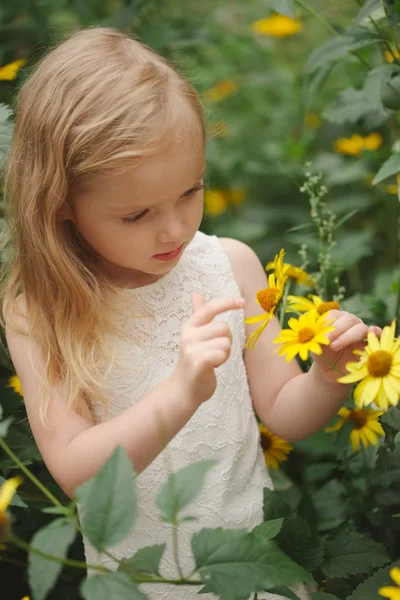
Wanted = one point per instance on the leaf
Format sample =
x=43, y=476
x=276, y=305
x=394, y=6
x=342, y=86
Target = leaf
x=298, y=542
x=349, y=107
x=389, y=168
x=268, y=530
x=367, y=590
x=182, y=488
x=329, y=501
x=285, y=592
x=5, y=113
x=283, y=7
x=16, y=500
x=323, y=596
x=4, y=425
x=235, y=563
x=392, y=9
x=352, y=553
x=111, y=586
x=53, y=539
x=392, y=418
x=274, y=506
x=365, y=11
x=109, y=502
x=339, y=47
x=146, y=560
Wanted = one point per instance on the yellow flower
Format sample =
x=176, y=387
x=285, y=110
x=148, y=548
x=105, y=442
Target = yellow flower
x=306, y=334
x=366, y=428
x=7, y=491
x=275, y=449
x=278, y=26
x=15, y=384
x=373, y=141
x=296, y=273
x=390, y=55
x=392, y=188
x=378, y=370
x=217, y=201
x=268, y=299
x=393, y=593
x=223, y=89
x=316, y=304
x=26, y=598
x=10, y=71
x=218, y=129
x=356, y=144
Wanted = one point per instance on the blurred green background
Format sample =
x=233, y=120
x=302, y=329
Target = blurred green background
x=268, y=112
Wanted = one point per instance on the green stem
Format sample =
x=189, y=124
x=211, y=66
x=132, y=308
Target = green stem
x=332, y=365
x=397, y=312
x=31, y=476
x=284, y=302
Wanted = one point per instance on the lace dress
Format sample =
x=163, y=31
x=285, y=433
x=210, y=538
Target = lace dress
x=224, y=428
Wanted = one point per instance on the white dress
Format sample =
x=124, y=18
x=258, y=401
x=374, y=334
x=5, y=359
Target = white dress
x=224, y=428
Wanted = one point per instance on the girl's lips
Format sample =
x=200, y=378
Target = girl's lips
x=169, y=255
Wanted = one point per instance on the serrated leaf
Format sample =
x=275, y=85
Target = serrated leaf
x=367, y=590
x=283, y=7
x=339, y=47
x=111, y=586
x=392, y=418
x=146, y=560
x=349, y=107
x=53, y=539
x=109, y=503
x=274, y=506
x=16, y=500
x=389, y=168
x=352, y=553
x=182, y=488
x=268, y=530
x=284, y=592
x=235, y=563
x=298, y=542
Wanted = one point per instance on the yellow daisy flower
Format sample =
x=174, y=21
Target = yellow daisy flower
x=7, y=491
x=378, y=371
x=278, y=26
x=393, y=593
x=215, y=202
x=316, y=304
x=349, y=146
x=10, y=71
x=373, y=141
x=390, y=55
x=306, y=334
x=268, y=299
x=222, y=90
x=296, y=273
x=15, y=384
x=366, y=429
x=275, y=449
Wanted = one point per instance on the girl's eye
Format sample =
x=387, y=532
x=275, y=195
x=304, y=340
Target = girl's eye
x=139, y=216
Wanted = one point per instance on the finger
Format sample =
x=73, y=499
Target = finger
x=221, y=344
x=342, y=324
x=376, y=330
x=213, y=330
x=354, y=335
x=204, y=314
x=198, y=300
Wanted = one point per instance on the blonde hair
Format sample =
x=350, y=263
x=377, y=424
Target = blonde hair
x=97, y=103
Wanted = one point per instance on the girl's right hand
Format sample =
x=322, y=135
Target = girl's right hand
x=204, y=345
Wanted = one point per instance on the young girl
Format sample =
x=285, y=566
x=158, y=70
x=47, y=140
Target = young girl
x=122, y=319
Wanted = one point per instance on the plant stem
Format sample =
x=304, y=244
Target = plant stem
x=332, y=365
x=284, y=302
x=31, y=476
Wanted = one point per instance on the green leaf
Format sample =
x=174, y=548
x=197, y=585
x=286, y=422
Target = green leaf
x=349, y=107
x=235, y=563
x=111, y=586
x=323, y=596
x=339, y=47
x=16, y=500
x=53, y=539
x=329, y=501
x=392, y=9
x=389, y=168
x=369, y=7
x=283, y=7
x=5, y=113
x=392, y=418
x=298, y=542
x=285, y=592
x=352, y=553
x=109, y=502
x=146, y=560
x=268, y=530
x=274, y=506
x=182, y=488
x=367, y=590
x=4, y=425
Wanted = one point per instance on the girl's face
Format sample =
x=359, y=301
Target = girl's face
x=134, y=218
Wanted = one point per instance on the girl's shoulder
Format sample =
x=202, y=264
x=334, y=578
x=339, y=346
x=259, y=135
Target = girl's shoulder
x=243, y=261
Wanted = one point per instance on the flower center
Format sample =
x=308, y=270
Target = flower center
x=358, y=419
x=325, y=306
x=266, y=442
x=268, y=298
x=379, y=363
x=305, y=335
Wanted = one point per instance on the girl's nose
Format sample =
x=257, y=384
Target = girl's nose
x=172, y=230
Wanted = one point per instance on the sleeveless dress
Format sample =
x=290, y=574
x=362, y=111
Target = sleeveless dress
x=224, y=428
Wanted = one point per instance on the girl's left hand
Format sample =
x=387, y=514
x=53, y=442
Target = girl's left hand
x=350, y=334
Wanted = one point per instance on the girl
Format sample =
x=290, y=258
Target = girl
x=121, y=317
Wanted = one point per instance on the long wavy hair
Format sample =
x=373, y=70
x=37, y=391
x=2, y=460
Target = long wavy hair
x=98, y=103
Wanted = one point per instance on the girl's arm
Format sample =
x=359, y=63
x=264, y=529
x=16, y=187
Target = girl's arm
x=293, y=404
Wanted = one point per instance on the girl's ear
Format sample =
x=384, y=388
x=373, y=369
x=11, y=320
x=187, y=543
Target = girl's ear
x=67, y=214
